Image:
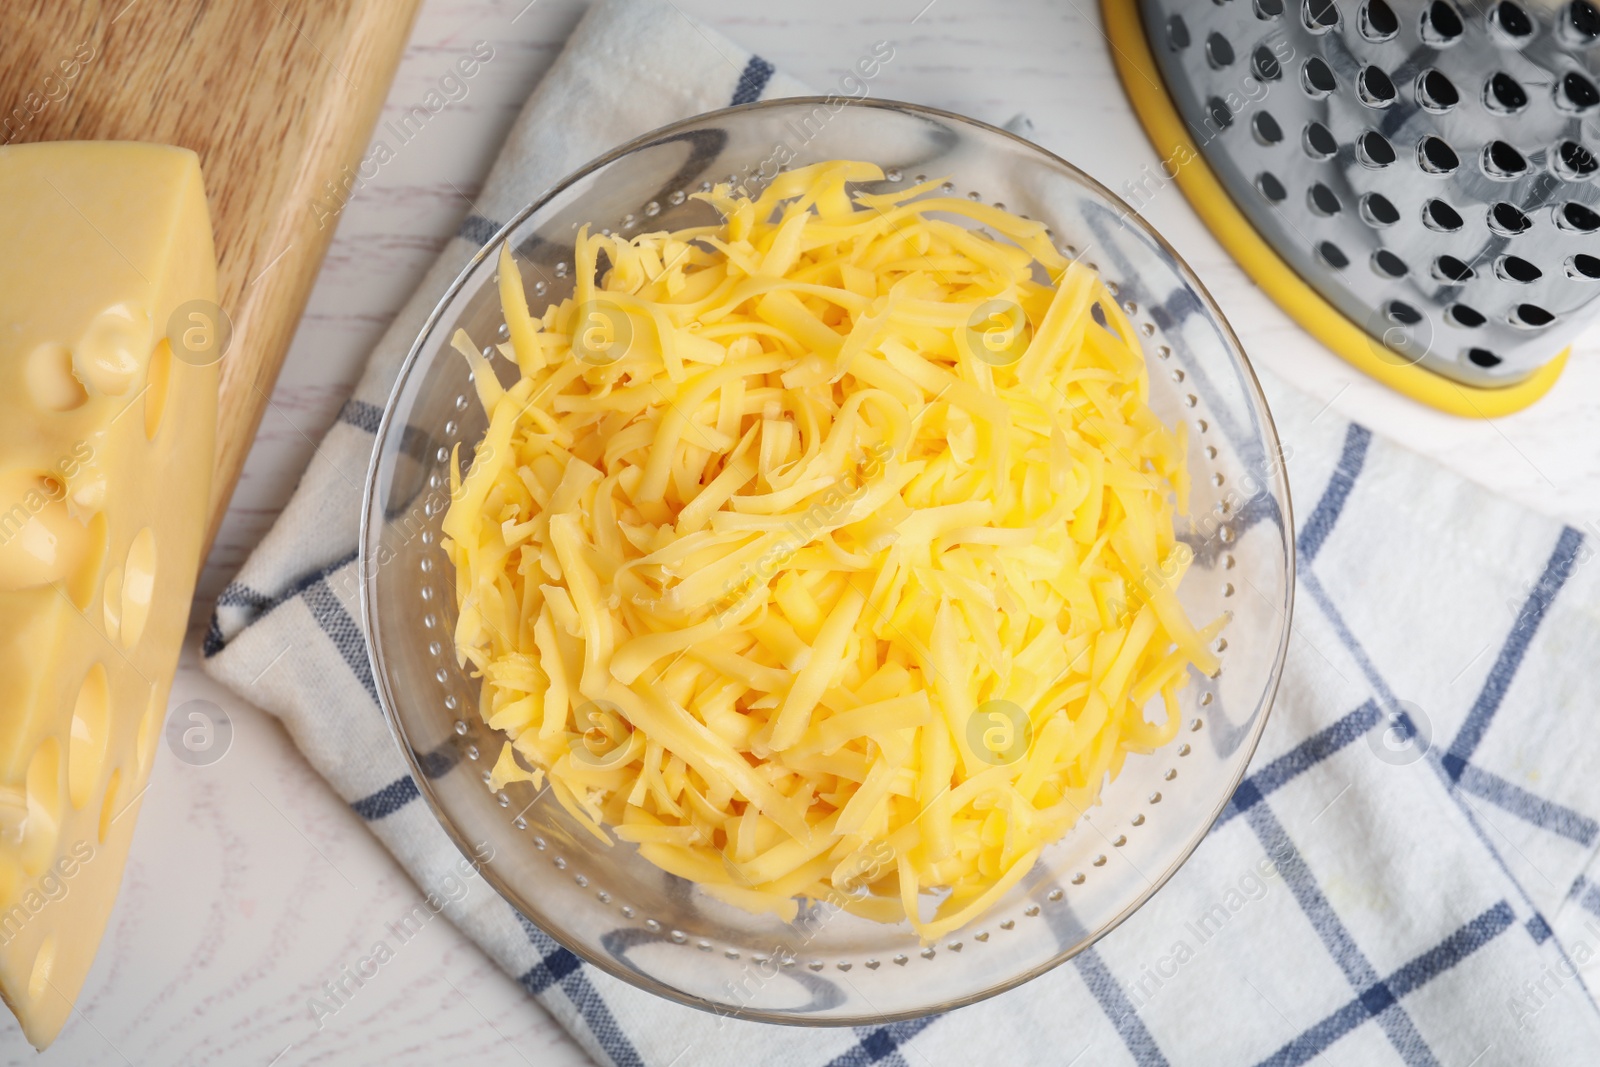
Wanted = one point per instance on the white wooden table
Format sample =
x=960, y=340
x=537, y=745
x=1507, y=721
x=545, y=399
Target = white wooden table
x=250, y=883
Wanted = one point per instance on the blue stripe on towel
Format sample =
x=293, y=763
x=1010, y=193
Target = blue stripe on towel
x=574, y=982
x=477, y=229
x=1307, y=754
x=342, y=630
x=1383, y=995
x=1316, y=529
x=1545, y=814
x=1586, y=895
x=388, y=800
x=262, y=603
x=1309, y=582
x=550, y=970
x=753, y=80
x=360, y=414
x=1114, y=1002
x=882, y=1044
x=1378, y=1001
x=1557, y=569
x=235, y=595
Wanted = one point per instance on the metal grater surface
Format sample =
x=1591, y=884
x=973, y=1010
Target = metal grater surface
x=1428, y=167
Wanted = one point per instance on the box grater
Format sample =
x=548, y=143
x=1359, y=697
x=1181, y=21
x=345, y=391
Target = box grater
x=1428, y=168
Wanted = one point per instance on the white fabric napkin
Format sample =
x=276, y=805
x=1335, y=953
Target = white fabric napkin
x=1353, y=906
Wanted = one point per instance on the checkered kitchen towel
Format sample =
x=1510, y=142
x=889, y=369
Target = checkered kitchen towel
x=1433, y=909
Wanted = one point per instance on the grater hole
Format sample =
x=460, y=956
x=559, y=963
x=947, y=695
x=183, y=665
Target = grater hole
x=1507, y=220
x=1403, y=313
x=1531, y=316
x=1266, y=65
x=1319, y=16
x=1219, y=112
x=1582, y=24
x=1517, y=269
x=1503, y=162
x=1219, y=53
x=1504, y=94
x=1575, y=216
x=1511, y=24
x=1319, y=141
x=1271, y=187
x=1435, y=92
x=1374, y=149
x=1378, y=21
x=1438, y=215
x=1583, y=266
x=1266, y=128
x=1574, y=162
x=1317, y=79
x=1374, y=87
x=1388, y=264
x=1577, y=93
x=1333, y=255
x=1177, y=33
x=1464, y=315
x=1483, y=357
x=1269, y=9
x=1323, y=200
x=1451, y=269
x=1435, y=156
x=1378, y=210
x=1441, y=24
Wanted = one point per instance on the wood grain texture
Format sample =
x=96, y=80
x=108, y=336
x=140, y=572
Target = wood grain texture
x=277, y=97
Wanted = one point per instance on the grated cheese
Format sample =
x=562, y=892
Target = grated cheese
x=827, y=552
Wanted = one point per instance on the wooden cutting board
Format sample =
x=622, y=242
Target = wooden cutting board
x=278, y=98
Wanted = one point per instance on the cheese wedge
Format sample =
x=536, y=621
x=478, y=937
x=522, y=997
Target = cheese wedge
x=106, y=443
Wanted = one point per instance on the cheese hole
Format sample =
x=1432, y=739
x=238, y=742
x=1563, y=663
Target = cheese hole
x=80, y=587
x=91, y=725
x=108, y=807
x=108, y=356
x=40, y=540
x=50, y=381
x=148, y=725
x=111, y=602
x=43, y=824
x=155, y=393
x=138, y=586
x=44, y=961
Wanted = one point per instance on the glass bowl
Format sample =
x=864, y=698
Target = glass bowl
x=658, y=931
